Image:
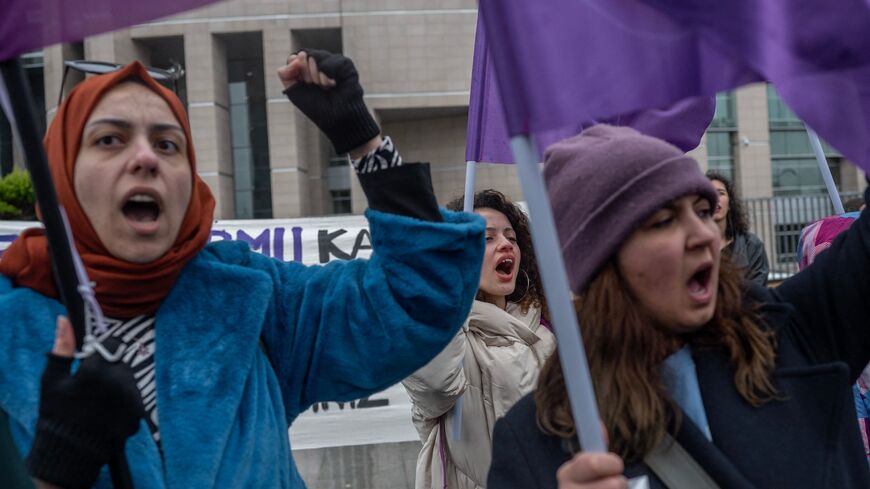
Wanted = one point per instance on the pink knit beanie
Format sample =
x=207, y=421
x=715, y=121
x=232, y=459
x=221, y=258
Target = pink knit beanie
x=604, y=182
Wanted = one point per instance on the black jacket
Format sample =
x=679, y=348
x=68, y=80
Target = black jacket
x=809, y=439
x=747, y=252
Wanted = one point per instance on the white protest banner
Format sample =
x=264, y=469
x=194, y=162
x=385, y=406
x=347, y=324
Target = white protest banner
x=381, y=418
x=309, y=241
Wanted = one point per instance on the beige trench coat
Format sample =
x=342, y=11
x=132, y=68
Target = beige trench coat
x=492, y=362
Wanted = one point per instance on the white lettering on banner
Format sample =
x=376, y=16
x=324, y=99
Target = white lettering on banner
x=380, y=418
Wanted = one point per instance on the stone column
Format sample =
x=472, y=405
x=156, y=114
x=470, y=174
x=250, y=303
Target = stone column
x=700, y=153
x=851, y=177
x=753, y=169
x=286, y=132
x=116, y=47
x=208, y=108
x=54, y=57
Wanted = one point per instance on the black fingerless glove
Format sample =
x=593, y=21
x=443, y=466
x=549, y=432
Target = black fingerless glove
x=339, y=111
x=84, y=419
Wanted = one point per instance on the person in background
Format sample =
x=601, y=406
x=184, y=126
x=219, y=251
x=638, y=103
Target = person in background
x=230, y=345
x=754, y=384
x=744, y=248
x=491, y=363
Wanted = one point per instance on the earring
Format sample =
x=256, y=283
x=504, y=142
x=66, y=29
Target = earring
x=528, y=286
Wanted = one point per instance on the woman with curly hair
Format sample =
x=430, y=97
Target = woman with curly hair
x=491, y=363
x=745, y=249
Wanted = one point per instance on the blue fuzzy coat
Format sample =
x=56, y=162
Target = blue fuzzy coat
x=333, y=333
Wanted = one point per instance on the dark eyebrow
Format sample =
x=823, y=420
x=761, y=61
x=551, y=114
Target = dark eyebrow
x=671, y=206
x=503, y=229
x=121, y=123
x=113, y=122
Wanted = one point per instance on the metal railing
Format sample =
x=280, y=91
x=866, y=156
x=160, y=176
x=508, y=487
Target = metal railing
x=778, y=221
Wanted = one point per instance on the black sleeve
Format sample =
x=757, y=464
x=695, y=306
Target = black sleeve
x=13, y=474
x=510, y=467
x=405, y=190
x=832, y=299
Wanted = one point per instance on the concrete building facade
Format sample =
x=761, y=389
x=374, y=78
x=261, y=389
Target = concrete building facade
x=263, y=159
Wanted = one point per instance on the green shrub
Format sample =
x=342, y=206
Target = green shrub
x=16, y=196
x=8, y=212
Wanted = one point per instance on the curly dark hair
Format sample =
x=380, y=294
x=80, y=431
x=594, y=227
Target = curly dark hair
x=735, y=222
x=525, y=294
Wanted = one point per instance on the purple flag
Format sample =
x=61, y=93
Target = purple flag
x=683, y=124
x=26, y=25
x=563, y=61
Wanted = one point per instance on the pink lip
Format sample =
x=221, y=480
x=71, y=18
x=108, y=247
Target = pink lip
x=146, y=191
x=504, y=278
x=144, y=228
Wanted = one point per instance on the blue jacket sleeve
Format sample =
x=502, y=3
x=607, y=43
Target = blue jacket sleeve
x=352, y=328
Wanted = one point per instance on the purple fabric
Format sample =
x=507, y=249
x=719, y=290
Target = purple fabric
x=569, y=60
x=26, y=25
x=682, y=125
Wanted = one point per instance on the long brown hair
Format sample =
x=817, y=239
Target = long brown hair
x=626, y=352
x=527, y=293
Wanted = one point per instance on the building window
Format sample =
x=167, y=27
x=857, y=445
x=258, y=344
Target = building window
x=248, y=127
x=720, y=136
x=5, y=145
x=787, y=238
x=166, y=52
x=338, y=182
x=340, y=201
x=720, y=152
x=33, y=69
x=794, y=166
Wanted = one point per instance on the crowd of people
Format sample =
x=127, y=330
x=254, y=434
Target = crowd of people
x=703, y=376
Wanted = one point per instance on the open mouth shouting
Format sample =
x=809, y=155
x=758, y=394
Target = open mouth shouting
x=142, y=209
x=504, y=269
x=699, y=284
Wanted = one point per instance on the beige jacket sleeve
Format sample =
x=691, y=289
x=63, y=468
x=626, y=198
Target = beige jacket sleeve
x=435, y=387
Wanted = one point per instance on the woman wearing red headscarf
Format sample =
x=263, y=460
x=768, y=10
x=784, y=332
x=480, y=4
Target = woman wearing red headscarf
x=229, y=345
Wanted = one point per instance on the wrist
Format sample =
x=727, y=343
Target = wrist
x=66, y=457
x=366, y=148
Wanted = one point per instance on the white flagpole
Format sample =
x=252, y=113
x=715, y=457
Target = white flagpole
x=467, y=206
x=578, y=382
x=816, y=144
x=470, y=174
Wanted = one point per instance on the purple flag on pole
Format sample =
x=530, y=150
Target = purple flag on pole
x=26, y=25
x=563, y=61
x=683, y=124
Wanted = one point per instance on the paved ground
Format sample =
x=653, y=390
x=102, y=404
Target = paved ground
x=385, y=466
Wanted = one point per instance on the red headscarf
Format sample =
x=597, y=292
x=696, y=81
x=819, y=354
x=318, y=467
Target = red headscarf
x=123, y=289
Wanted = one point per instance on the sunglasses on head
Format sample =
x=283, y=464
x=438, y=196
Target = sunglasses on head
x=173, y=74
